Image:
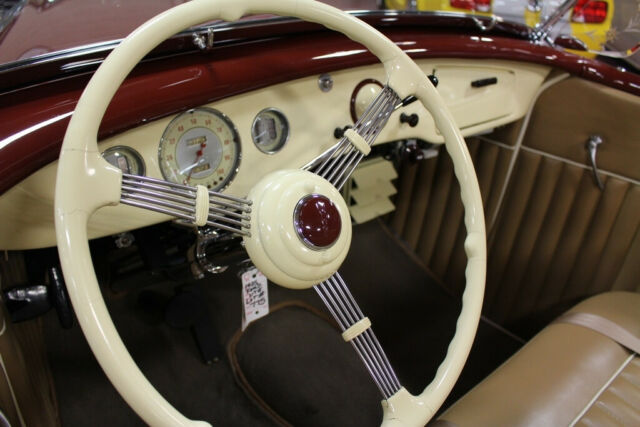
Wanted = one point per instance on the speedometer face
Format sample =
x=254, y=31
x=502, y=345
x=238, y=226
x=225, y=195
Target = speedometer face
x=200, y=147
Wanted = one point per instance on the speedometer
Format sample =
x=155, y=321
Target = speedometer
x=200, y=147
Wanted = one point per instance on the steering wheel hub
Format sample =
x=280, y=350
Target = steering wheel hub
x=317, y=221
x=300, y=228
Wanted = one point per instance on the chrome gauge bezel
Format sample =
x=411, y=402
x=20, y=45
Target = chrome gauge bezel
x=132, y=152
x=280, y=115
x=235, y=140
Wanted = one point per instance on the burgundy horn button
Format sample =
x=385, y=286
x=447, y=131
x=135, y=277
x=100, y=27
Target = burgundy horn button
x=317, y=221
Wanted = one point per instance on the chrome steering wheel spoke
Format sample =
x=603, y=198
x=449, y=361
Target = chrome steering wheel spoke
x=224, y=212
x=344, y=309
x=338, y=163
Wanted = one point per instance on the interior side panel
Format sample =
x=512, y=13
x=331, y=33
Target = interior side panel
x=435, y=218
x=567, y=114
x=627, y=278
x=558, y=238
x=26, y=393
x=516, y=236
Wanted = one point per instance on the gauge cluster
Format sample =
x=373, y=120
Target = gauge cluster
x=202, y=146
x=228, y=145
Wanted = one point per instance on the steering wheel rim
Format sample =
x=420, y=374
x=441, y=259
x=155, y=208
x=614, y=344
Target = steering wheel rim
x=86, y=182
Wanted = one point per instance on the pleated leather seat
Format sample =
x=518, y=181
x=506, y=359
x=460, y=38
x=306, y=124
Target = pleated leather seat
x=566, y=375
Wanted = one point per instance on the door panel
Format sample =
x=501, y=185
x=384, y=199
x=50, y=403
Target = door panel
x=566, y=115
x=557, y=238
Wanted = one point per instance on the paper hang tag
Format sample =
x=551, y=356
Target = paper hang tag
x=255, y=296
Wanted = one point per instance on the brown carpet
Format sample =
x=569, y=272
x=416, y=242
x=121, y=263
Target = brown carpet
x=395, y=292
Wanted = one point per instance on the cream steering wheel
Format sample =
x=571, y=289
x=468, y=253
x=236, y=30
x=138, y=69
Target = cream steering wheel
x=86, y=182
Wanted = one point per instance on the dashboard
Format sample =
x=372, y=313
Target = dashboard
x=230, y=144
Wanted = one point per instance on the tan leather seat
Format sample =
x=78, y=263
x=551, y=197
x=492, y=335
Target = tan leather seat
x=566, y=375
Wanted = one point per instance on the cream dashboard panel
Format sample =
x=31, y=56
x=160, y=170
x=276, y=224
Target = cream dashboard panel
x=312, y=115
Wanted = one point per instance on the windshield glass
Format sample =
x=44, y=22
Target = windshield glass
x=30, y=28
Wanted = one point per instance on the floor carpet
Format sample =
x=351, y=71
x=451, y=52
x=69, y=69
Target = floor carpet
x=413, y=317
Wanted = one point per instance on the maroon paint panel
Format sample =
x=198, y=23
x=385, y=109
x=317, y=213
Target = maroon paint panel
x=57, y=64
x=34, y=119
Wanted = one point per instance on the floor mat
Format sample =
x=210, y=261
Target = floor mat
x=326, y=383
x=413, y=317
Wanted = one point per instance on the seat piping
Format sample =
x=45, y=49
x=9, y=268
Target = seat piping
x=602, y=390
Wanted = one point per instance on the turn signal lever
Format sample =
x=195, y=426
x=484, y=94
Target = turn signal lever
x=30, y=301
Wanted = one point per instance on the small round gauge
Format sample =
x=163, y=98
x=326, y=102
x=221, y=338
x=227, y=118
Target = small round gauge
x=125, y=158
x=200, y=147
x=270, y=130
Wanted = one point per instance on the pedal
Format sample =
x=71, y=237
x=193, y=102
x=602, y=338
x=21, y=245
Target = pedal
x=187, y=309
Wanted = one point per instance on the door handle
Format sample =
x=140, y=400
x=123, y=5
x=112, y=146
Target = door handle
x=592, y=146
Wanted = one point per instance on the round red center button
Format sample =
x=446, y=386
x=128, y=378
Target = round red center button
x=317, y=221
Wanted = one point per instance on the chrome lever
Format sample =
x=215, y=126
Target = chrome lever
x=592, y=147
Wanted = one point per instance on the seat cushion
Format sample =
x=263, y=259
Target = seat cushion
x=566, y=374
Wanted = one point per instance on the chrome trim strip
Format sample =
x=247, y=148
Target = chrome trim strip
x=60, y=55
x=81, y=64
x=7, y=19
